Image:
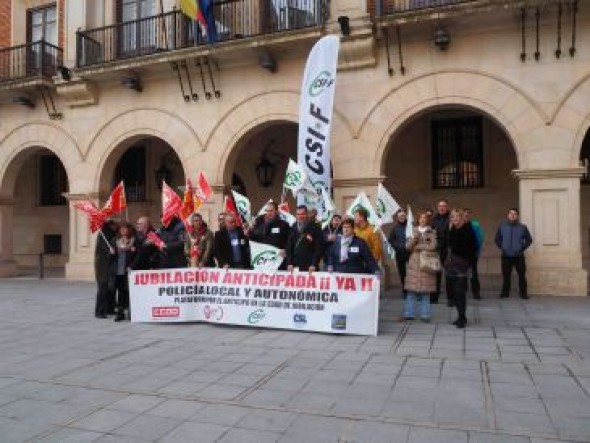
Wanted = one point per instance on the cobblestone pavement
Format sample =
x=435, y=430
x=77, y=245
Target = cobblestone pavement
x=520, y=372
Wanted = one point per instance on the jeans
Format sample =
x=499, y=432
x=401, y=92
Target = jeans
x=423, y=298
x=519, y=264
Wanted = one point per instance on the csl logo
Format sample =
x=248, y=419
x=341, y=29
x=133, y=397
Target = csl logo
x=339, y=322
x=165, y=311
x=266, y=257
x=213, y=312
x=319, y=84
x=293, y=178
x=299, y=319
x=256, y=316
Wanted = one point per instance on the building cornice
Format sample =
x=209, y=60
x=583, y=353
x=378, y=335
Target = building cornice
x=539, y=174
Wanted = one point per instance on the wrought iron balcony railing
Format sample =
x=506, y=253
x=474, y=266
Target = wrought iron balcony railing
x=388, y=7
x=234, y=19
x=39, y=59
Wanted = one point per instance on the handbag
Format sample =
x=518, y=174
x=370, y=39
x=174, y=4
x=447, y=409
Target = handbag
x=430, y=262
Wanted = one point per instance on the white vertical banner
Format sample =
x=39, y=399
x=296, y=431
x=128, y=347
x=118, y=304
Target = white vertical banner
x=315, y=115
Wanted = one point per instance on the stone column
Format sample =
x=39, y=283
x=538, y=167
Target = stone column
x=80, y=265
x=7, y=263
x=550, y=207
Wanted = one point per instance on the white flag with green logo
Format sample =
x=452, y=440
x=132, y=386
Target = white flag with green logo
x=243, y=206
x=386, y=205
x=295, y=177
x=387, y=246
x=265, y=257
x=362, y=201
x=326, y=211
x=410, y=225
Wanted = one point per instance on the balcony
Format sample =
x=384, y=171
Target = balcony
x=171, y=31
x=30, y=62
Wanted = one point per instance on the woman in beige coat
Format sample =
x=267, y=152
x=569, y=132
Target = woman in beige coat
x=420, y=283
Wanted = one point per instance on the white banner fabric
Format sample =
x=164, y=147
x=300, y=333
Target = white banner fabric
x=315, y=113
x=321, y=302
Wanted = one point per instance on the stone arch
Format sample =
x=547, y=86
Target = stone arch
x=137, y=123
x=261, y=109
x=18, y=144
x=505, y=104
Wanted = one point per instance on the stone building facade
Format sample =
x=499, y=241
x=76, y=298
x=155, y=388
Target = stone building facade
x=481, y=102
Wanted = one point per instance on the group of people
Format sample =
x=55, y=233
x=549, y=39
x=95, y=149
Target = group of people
x=448, y=242
x=348, y=246
x=454, y=240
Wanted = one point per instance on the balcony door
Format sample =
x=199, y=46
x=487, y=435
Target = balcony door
x=41, y=54
x=137, y=31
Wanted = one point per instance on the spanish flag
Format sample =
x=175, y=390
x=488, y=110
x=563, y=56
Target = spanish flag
x=192, y=9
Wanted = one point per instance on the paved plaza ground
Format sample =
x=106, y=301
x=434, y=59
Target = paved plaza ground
x=520, y=372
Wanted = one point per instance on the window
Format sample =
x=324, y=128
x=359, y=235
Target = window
x=42, y=24
x=52, y=244
x=131, y=169
x=136, y=36
x=457, y=153
x=53, y=181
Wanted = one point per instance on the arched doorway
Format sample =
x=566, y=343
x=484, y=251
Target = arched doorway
x=458, y=154
x=142, y=162
x=36, y=216
x=257, y=164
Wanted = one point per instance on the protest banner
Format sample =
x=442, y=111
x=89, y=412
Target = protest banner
x=321, y=302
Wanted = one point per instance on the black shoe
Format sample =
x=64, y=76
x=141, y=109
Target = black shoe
x=524, y=296
x=100, y=316
x=503, y=295
x=461, y=323
x=120, y=317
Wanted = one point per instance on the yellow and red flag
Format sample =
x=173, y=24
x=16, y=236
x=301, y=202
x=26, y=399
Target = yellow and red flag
x=202, y=191
x=192, y=9
x=171, y=204
x=188, y=202
x=117, y=201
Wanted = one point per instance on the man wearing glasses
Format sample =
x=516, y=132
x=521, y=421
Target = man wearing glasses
x=232, y=249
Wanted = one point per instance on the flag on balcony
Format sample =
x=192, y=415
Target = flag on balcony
x=171, y=204
x=201, y=11
x=117, y=201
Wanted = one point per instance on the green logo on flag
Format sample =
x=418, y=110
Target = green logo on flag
x=322, y=82
x=266, y=258
x=380, y=207
x=292, y=179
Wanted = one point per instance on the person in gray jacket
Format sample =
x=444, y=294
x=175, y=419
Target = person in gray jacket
x=513, y=238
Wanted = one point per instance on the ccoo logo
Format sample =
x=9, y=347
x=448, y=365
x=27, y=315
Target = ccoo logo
x=323, y=81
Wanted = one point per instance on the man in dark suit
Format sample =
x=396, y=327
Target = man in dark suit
x=270, y=229
x=232, y=249
x=304, y=248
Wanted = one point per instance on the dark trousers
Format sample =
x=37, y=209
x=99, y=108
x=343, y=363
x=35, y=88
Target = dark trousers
x=103, y=296
x=401, y=260
x=519, y=264
x=475, y=286
x=457, y=290
x=122, y=289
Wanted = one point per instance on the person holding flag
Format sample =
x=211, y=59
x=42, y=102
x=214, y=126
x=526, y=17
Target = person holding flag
x=147, y=255
x=173, y=231
x=270, y=229
x=123, y=253
x=364, y=230
x=330, y=233
x=103, y=259
x=397, y=240
x=232, y=249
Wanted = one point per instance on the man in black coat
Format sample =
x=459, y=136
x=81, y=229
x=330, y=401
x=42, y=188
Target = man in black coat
x=270, y=229
x=440, y=223
x=397, y=240
x=147, y=255
x=304, y=248
x=174, y=237
x=232, y=249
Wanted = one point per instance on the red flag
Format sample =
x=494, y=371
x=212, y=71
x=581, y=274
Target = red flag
x=117, y=201
x=188, y=202
x=230, y=208
x=202, y=191
x=284, y=207
x=96, y=217
x=153, y=237
x=171, y=204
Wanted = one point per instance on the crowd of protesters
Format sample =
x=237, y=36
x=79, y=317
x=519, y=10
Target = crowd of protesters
x=453, y=239
x=447, y=244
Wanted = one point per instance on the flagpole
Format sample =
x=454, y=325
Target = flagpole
x=100, y=230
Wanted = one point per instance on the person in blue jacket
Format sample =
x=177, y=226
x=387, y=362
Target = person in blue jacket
x=513, y=238
x=350, y=254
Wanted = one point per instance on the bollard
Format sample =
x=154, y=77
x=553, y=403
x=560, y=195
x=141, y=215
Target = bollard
x=41, y=267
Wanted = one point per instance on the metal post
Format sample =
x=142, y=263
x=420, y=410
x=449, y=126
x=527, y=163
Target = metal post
x=41, y=267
